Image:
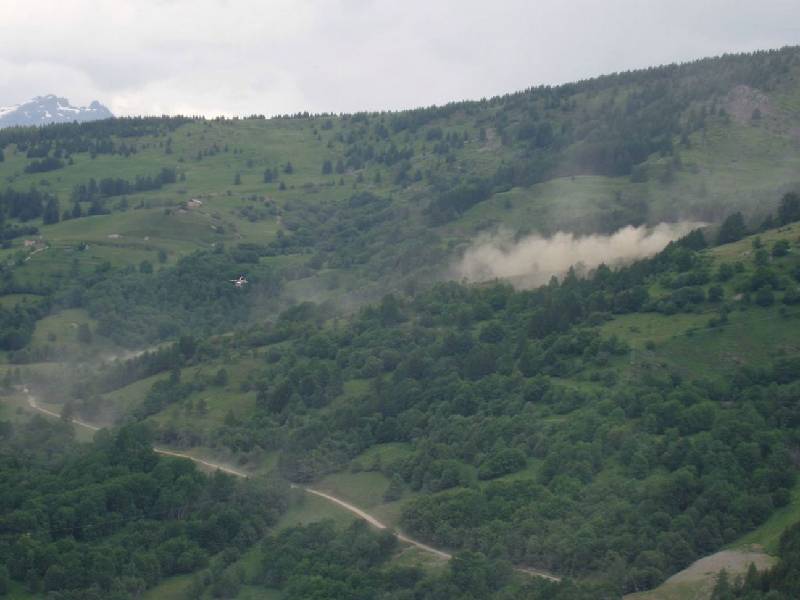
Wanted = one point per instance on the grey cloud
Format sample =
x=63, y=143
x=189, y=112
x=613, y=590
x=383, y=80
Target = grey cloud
x=275, y=56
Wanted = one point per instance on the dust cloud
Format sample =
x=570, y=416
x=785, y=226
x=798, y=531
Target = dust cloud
x=534, y=259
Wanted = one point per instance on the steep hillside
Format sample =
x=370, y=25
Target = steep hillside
x=611, y=426
x=649, y=411
x=345, y=206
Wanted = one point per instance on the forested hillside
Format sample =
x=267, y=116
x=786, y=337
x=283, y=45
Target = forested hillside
x=614, y=427
x=609, y=427
x=341, y=206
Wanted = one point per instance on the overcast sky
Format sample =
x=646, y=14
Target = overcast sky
x=276, y=56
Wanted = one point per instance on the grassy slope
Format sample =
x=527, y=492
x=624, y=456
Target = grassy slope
x=727, y=165
x=754, y=334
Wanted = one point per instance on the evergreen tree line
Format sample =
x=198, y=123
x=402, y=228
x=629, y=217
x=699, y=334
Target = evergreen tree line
x=94, y=137
x=49, y=163
x=115, y=186
x=25, y=206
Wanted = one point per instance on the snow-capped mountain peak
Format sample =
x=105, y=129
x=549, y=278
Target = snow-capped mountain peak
x=43, y=110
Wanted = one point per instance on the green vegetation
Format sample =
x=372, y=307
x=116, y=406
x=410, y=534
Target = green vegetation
x=611, y=426
x=111, y=519
x=465, y=403
x=782, y=582
x=361, y=202
x=321, y=561
x=768, y=535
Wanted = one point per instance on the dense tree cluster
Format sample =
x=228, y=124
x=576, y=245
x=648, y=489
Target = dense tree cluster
x=136, y=308
x=18, y=322
x=48, y=163
x=111, y=186
x=10, y=232
x=23, y=206
x=364, y=232
x=112, y=519
x=94, y=137
x=319, y=561
x=299, y=560
x=452, y=201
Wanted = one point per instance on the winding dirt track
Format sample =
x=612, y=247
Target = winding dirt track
x=376, y=523
x=34, y=405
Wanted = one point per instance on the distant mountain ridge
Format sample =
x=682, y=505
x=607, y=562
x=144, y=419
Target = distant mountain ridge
x=44, y=110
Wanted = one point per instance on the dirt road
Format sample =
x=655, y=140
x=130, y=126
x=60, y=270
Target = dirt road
x=35, y=406
x=338, y=501
x=376, y=523
x=31, y=255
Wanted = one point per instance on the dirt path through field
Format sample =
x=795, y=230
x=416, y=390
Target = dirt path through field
x=35, y=252
x=34, y=405
x=376, y=523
